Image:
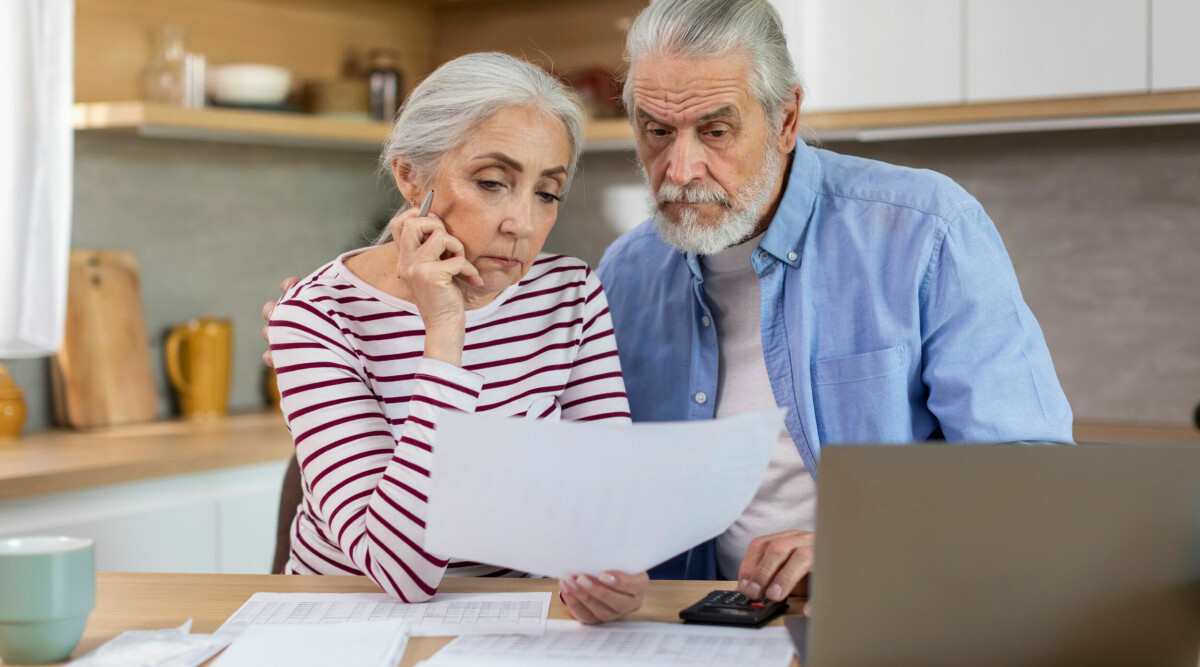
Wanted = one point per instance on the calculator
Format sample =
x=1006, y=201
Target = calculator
x=732, y=608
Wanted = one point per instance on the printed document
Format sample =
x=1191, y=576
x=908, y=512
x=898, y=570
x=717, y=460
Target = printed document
x=568, y=643
x=559, y=498
x=447, y=614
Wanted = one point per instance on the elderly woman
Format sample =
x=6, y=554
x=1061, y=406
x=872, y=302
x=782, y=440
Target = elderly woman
x=456, y=310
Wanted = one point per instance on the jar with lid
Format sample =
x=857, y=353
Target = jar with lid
x=386, y=84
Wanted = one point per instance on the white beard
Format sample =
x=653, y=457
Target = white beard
x=736, y=224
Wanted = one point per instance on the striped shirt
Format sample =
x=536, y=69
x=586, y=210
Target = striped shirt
x=362, y=404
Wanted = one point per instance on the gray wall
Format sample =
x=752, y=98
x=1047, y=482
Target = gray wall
x=1104, y=231
x=215, y=228
x=1103, y=228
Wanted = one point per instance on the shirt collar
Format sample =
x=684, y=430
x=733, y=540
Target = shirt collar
x=785, y=234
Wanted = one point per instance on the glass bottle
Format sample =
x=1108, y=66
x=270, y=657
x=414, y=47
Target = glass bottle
x=386, y=84
x=163, y=78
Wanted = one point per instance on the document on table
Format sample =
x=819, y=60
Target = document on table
x=344, y=645
x=569, y=643
x=557, y=498
x=448, y=614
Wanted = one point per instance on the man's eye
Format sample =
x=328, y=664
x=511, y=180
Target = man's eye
x=717, y=134
x=658, y=132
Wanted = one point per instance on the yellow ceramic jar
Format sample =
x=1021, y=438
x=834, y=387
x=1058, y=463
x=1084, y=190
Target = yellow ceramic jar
x=12, y=406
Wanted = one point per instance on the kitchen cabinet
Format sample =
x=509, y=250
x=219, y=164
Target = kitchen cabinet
x=863, y=54
x=1024, y=49
x=220, y=521
x=1175, y=44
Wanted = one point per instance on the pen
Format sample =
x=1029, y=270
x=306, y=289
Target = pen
x=426, y=204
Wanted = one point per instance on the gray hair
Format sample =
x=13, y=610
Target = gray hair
x=440, y=113
x=716, y=28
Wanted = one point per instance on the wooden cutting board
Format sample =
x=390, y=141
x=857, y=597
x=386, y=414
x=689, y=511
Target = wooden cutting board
x=102, y=374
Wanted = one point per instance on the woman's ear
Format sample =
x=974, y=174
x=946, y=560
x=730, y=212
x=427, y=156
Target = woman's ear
x=406, y=179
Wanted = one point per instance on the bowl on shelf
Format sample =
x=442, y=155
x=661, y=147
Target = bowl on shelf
x=248, y=84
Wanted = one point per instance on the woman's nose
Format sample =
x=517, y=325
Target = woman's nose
x=518, y=219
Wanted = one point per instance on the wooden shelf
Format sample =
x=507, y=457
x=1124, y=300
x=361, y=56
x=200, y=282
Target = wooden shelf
x=1005, y=117
x=971, y=119
x=230, y=125
x=265, y=127
x=157, y=120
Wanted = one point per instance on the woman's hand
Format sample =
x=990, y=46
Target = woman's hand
x=430, y=264
x=606, y=597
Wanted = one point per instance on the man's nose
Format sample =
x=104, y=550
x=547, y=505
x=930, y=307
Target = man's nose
x=685, y=161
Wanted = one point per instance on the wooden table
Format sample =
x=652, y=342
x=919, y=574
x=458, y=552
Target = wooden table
x=137, y=601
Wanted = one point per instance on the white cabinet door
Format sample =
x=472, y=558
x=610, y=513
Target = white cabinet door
x=1055, y=48
x=246, y=515
x=860, y=54
x=215, y=521
x=1175, y=44
x=159, y=525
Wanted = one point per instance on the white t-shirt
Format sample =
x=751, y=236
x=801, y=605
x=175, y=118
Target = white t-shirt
x=787, y=498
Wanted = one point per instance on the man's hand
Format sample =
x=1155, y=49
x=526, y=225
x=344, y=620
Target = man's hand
x=606, y=597
x=776, y=565
x=268, y=308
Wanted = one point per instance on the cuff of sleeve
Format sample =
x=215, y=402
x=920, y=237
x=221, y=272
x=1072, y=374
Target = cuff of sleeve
x=449, y=384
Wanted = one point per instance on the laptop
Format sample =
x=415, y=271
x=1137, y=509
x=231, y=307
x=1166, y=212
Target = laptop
x=1005, y=555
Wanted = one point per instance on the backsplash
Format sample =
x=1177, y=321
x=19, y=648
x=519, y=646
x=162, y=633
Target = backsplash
x=215, y=228
x=1103, y=228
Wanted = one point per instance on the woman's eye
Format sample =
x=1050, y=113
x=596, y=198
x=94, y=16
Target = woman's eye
x=490, y=185
x=549, y=197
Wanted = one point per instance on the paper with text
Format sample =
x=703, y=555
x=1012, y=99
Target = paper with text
x=569, y=643
x=557, y=498
x=448, y=614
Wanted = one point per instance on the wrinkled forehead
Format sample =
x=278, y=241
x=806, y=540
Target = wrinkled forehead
x=684, y=91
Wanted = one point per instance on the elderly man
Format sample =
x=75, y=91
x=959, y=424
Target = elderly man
x=876, y=303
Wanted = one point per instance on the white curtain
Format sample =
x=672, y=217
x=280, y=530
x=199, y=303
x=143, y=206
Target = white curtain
x=36, y=151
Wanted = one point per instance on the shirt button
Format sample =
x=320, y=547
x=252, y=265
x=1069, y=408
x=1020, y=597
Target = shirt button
x=791, y=256
x=701, y=397
x=763, y=255
x=705, y=321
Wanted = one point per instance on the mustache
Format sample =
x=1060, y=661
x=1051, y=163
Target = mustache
x=692, y=193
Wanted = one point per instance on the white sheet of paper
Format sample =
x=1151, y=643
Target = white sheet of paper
x=345, y=645
x=447, y=614
x=568, y=643
x=557, y=498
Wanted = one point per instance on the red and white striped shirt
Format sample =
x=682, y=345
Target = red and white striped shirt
x=362, y=404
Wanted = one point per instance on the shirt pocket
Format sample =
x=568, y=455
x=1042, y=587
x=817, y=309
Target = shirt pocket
x=863, y=397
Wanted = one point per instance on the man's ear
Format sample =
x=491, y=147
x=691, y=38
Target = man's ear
x=791, y=121
x=406, y=178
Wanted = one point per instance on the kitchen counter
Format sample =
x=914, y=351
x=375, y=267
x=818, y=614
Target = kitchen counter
x=63, y=460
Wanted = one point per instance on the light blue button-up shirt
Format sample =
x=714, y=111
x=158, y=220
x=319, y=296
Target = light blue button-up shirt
x=890, y=314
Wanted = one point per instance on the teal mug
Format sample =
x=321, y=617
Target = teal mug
x=47, y=590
